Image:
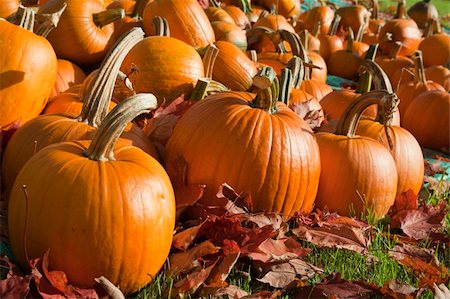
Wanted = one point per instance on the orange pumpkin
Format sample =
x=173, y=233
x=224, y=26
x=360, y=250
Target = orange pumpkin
x=353, y=16
x=408, y=90
x=233, y=68
x=168, y=67
x=8, y=8
x=322, y=15
x=358, y=173
x=102, y=192
x=394, y=62
x=428, y=119
x=28, y=72
x=421, y=12
x=238, y=15
x=68, y=74
x=231, y=33
x=84, y=31
x=52, y=128
x=439, y=74
x=435, y=49
x=345, y=63
x=186, y=18
x=330, y=43
x=274, y=151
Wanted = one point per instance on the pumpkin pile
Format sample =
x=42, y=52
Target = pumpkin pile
x=117, y=115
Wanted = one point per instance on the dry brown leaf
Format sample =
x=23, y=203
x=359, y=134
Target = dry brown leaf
x=184, y=262
x=112, y=291
x=183, y=239
x=192, y=282
x=232, y=291
x=277, y=250
x=223, y=268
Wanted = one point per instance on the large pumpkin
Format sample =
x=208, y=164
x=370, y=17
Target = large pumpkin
x=101, y=209
x=358, y=174
x=83, y=34
x=27, y=74
x=253, y=143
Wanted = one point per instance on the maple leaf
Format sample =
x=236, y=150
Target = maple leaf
x=191, y=283
x=281, y=275
x=184, y=262
x=310, y=112
x=423, y=262
x=419, y=223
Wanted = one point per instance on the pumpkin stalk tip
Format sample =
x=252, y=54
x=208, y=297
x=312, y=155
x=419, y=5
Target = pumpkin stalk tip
x=107, y=17
x=161, y=26
x=209, y=59
x=267, y=90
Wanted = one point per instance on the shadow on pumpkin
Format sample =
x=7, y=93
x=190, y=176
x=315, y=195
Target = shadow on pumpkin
x=9, y=78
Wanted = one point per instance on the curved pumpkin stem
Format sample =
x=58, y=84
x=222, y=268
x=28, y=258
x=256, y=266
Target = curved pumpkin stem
x=107, y=17
x=350, y=118
x=214, y=3
x=334, y=25
x=286, y=85
x=99, y=91
x=360, y=33
x=254, y=35
x=385, y=113
x=27, y=18
x=268, y=87
x=138, y=8
x=209, y=60
x=161, y=26
x=298, y=70
x=45, y=23
x=419, y=68
x=102, y=145
x=365, y=79
x=205, y=87
x=395, y=50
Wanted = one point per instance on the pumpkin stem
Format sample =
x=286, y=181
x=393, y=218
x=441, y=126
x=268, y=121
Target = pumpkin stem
x=254, y=35
x=253, y=55
x=378, y=29
x=286, y=85
x=245, y=6
x=350, y=118
x=298, y=48
x=400, y=10
x=350, y=39
x=138, y=8
x=214, y=3
x=161, y=26
x=334, y=25
x=45, y=23
x=27, y=17
x=102, y=145
x=375, y=8
x=395, y=50
x=108, y=16
x=361, y=29
x=365, y=79
x=381, y=81
x=267, y=85
x=209, y=60
x=298, y=70
x=99, y=91
x=204, y=87
x=419, y=68
x=316, y=29
x=263, y=14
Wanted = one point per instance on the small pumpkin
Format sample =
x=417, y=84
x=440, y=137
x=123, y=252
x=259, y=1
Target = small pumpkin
x=428, y=119
x=435, y=47
x=8, y=8
x=330, y=43
x=102, y=192
x=358, y=173
x=345, y=63
x=439, y=74
x=353, y=16
x=322, y=15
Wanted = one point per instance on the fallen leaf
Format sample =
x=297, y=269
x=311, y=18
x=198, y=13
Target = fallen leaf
x=423, y=262
x=336, y=287
x=441, y=291
x=396, y=290
x=191, y=283
x=281, y=275
x=311, y=112
x=237, y=203
x=184, y=262
x=223, y=268
x=15, y=286
x=272, y=250
x=232, y=291
x=337, y=235
x=419, y=223
x=431, y=169
x=408, y=200
x=183, y=239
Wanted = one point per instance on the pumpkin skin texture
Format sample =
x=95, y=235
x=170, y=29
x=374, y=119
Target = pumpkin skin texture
x=402, y=30
x=28, y=72
x=97, y=214
x=167, y=67
x=8, y=7
x=323, y=14
x=435, y=50
x=406, y=152
x=233, y=68
x=428, y=119
x=68, y=74
x=77, y=38
x=439, y=74
x=231, y=33
x=274, y=157
x=187, y=21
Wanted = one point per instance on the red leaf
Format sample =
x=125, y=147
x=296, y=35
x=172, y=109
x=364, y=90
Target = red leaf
x=57, y=279
x=183, y=239
x=185, y=194
x=236, y=203
x=231, y=291
x=393, y=289
x=184, y=262
x=223, y=268
x=278, y=250
x=405, y=201
x=419, y=223
x=423, y=262
x=193, y=281
x=13, y=285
